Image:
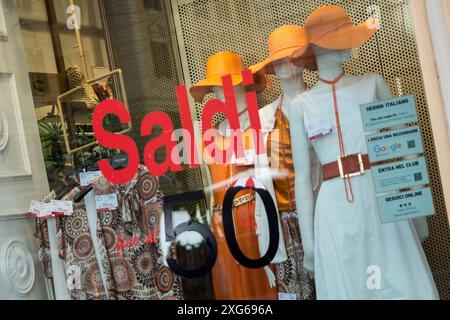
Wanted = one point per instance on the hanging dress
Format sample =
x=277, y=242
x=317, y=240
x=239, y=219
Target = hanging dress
x=130, y=237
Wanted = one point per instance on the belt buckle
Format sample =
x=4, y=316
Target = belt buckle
x=243, y=200
x=354, y=174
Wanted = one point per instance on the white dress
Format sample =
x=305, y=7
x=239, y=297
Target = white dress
x=353, y=250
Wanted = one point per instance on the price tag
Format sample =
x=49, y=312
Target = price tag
x=287, y=296
x=319, y=129
x=45, y=211
x=86, y=178
x=106, y=202
x=62, y=207
x=35, y=208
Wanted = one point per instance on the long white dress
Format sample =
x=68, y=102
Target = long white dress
x=352, y=247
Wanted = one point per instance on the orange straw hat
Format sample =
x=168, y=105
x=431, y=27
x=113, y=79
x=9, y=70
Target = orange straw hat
x=219, y=65
x=283, y=41
x=330, y=27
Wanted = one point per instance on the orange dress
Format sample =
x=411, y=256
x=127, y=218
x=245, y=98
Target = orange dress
x=231, y=280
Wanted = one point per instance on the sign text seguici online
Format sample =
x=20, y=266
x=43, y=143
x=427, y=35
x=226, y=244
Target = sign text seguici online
x=167, y=140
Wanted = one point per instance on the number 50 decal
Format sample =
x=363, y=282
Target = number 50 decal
x=203, y=230
x=228, y=225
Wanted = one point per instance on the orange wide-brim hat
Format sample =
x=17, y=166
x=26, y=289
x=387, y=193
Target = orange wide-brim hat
x=219, y=65
x=330, y=27
x=283, y=42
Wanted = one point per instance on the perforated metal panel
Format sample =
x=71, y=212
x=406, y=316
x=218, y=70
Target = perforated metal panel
x=242, y=26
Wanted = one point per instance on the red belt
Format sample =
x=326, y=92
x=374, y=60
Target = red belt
x=346, y=167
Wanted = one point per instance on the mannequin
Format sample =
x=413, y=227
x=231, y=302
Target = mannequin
x=232, y=281
x=241, y=105
x=330, y=66
x=349, y=241
x=297, y=283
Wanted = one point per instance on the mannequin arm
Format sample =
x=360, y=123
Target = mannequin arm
x=303, y=186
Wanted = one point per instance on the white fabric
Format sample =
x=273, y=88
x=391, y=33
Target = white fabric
x=350, y=242
x=58, y=268
x=91, y=212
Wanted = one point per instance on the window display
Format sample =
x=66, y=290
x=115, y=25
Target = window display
x=187, y=153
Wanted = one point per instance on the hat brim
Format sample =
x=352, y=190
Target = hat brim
x=202, y=88
x=347, y=38
x=305, y=58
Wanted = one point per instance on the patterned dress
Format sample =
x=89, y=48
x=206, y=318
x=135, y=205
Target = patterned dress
x=111, y=272
x=137, y=271
x=76, y=248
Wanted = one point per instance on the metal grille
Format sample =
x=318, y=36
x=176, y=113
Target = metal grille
x=242, y=26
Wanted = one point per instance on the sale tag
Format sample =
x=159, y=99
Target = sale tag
x=62, y=207
x=35, y=208
x=319, y=129
x=45, y=210
x=86, y=178
x=106, y=202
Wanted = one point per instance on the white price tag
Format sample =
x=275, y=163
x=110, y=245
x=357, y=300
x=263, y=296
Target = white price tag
x=319, y=129
x=45, y=211
x=86, y=178
x=106, y=202
x=62, y=207
x=287, y=296
x=35, y=208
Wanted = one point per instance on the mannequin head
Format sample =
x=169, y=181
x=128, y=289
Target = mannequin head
x=285, y=70
x=330, y=61
x=291, y=77
x=332, y=57
x=239, y=92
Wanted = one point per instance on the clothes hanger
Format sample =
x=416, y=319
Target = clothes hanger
x=67, y=184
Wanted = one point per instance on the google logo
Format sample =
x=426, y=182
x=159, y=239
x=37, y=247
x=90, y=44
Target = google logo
x=386, y=149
